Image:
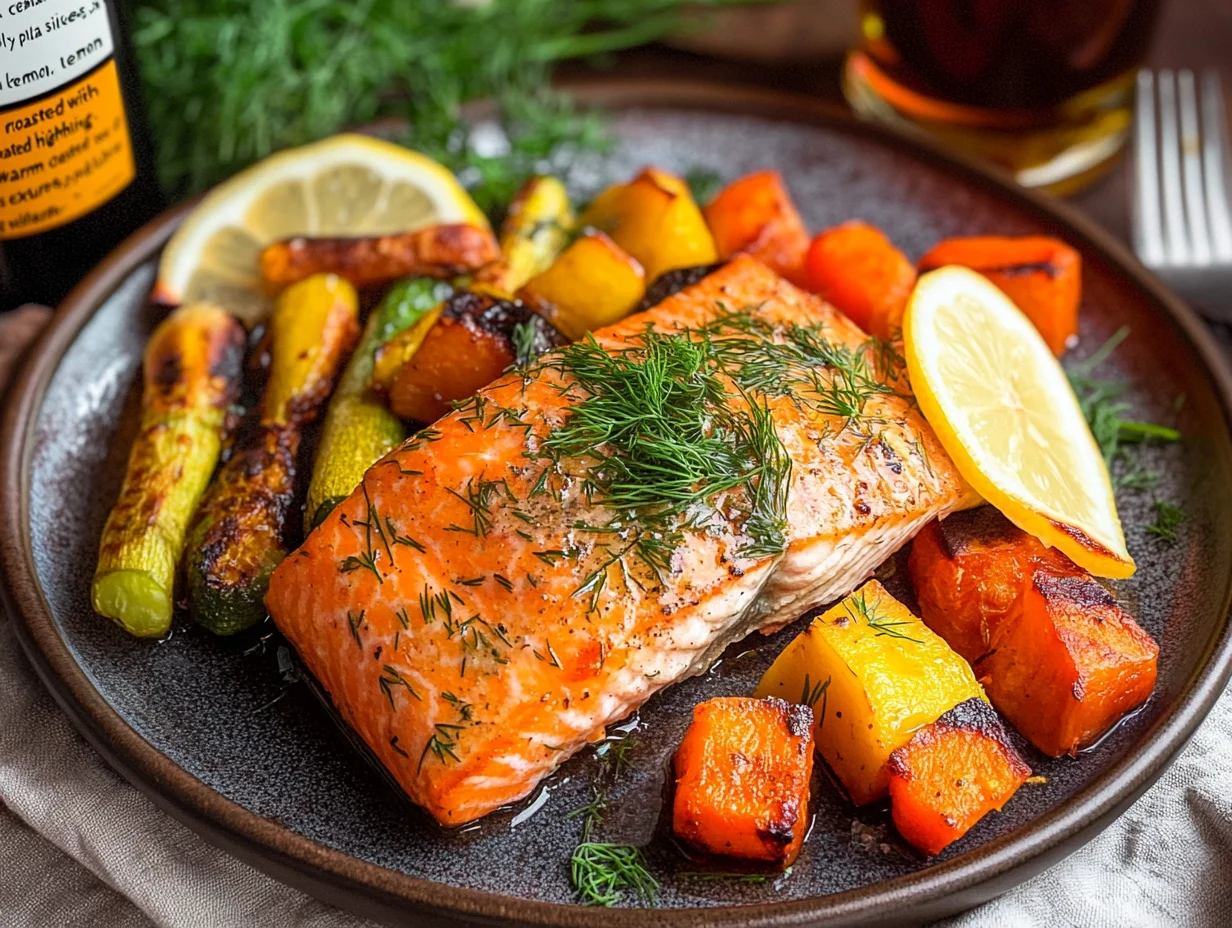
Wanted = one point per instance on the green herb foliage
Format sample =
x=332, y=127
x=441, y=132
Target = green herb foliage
x=663, y=440
x=603, y=874
x=229, y=81
x=1121, y=439
x=1167, y=519
x=1117, y=437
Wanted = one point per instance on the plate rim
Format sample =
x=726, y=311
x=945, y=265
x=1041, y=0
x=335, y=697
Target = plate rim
x=368, y=889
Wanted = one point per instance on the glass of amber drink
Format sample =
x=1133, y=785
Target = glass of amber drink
x=1043, y=88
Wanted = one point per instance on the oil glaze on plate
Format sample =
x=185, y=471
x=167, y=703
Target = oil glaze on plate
x=214, y=733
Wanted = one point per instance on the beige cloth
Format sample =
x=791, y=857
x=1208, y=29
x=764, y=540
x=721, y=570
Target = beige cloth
x=80, y=847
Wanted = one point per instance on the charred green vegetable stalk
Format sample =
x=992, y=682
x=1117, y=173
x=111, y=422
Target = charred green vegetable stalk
x=240, y=533
x=359, y=429
x=192, y=377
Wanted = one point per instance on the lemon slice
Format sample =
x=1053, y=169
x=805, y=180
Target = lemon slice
x=346, y=185
x=1004, y=411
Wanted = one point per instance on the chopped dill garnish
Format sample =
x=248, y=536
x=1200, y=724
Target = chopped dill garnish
x=591, y=813
x=1168, y=518
x=812, y=692
x=523, y=338
x=504, y=582
x=391, y=678
x=663, y=438
x=354, y=621
x=478, y=498
x=614, y=756
x=441, y=744
x=1101, y=403
x=704, y=184
x=602, y=874
x=858, y=607
x=551, y=558
x=464, y=708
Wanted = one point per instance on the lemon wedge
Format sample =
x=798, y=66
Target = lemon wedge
x=1003, y=409
x=346, y=185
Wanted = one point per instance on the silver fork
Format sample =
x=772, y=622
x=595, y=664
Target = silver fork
x=1182, y=219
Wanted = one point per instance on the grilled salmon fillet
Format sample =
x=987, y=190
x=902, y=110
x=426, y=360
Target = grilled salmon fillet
x=485, y=603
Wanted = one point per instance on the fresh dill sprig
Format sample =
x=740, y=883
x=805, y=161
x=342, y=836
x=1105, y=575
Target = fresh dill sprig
x=704, y=184
x=814, y=691
x=591, y=813
x=603, y=874
x=1102, y=405
x=859, y=608
x=230, y=81
x=662, y=439
x=1168, y=517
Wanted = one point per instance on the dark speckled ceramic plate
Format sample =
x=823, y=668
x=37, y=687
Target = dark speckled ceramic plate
x=212, y=732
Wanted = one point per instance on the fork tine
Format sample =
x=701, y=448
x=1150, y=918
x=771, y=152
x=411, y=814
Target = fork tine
x=1149, y=227
x=1215, y=165
x=1176, y=242
x=1191, y=164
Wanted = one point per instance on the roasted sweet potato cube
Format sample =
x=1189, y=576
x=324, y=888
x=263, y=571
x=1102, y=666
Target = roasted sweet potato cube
x=1043, y=276
x=654, y=218
x=593, y=283
x=951, y=774
x=969, y=570
x=855, y=267
x=1069, y=664
x=438, y=251
x=472, y=343
x=873, y=673
x=756, y=215
x=742, y=778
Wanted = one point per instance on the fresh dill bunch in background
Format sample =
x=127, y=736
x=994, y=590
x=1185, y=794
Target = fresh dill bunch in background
x=230, y=81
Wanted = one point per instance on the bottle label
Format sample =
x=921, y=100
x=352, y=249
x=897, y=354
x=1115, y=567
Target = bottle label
x=64, y=143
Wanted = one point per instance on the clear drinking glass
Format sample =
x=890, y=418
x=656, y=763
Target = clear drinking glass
x=1042, y=87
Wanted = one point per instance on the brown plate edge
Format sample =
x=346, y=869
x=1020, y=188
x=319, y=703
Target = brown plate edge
x=340, y=879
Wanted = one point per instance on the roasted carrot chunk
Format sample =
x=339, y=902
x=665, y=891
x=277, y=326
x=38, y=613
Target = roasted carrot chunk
x=1069, y=665
x=1055, y=653
x=1041, y=275
x=438, y=251
x=951, y=774
x=755, y=214
x=859, y=270
x=471, y=344
x=969, y=571
x=742, y=778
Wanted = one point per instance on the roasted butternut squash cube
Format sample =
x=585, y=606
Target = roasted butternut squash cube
x=756, y=215
x=1043, y=276
x=654, y=218
x=536, y=229
x=593, y=283
x=1069, y=664
x=873, y=673
x=1058, y=657
x=474, y=340
x=855, y=267
x=969, y=570
x=742, y=779
x=951, y=774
